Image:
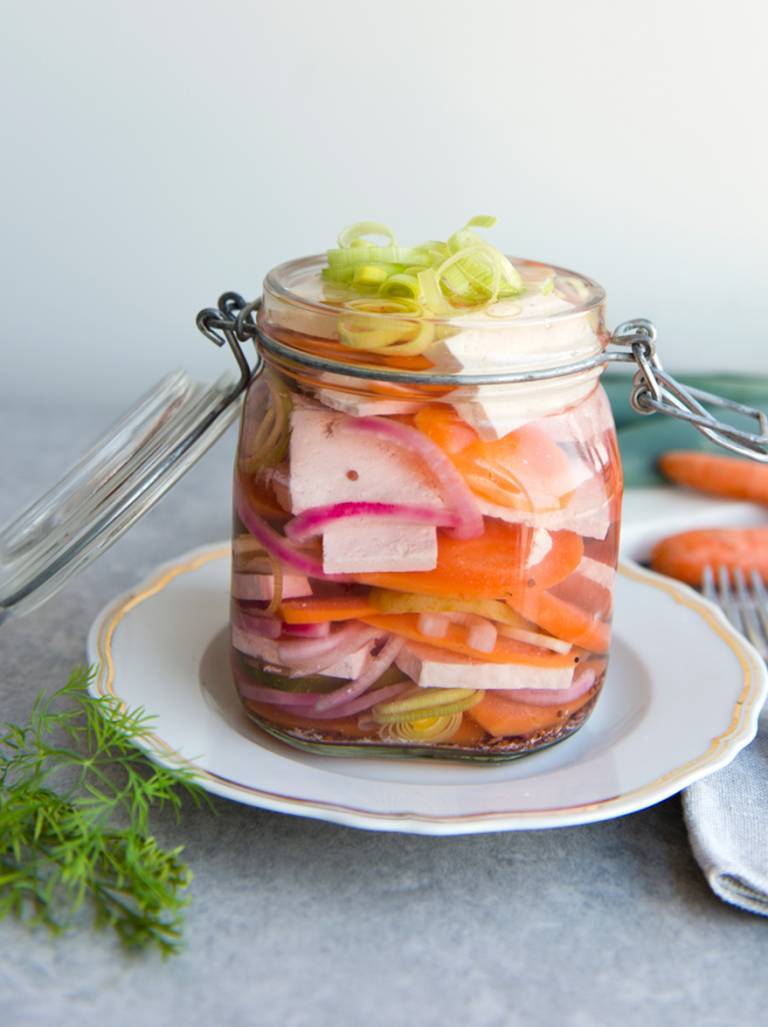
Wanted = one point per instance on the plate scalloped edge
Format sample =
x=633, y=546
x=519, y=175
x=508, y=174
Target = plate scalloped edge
x=721, y=751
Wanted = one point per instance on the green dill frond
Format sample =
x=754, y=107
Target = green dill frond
x=76, y=794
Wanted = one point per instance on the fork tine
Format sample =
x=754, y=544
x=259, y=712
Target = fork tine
x=761, y=600
x=746, y=607
x=725, y=598
x=708, y=584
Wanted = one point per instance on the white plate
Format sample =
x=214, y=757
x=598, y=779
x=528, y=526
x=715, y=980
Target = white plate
x=681, y=699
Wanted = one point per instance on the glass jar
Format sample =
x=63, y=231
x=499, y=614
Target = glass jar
x=424, y=553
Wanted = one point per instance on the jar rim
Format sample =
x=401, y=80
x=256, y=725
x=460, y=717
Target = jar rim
x=274, y=283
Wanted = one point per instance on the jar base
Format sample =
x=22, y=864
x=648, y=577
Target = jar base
x=490, y=753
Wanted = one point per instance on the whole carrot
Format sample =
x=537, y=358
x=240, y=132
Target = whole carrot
x=685, y=556
x=717, y=475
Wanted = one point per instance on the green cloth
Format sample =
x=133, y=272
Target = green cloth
x=642, y=439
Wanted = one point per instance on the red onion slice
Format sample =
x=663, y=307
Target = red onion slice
x=278, y=546
x=276, y=697
x=361, y=703
x=307, y=630
x=456, y=493
x=245, y=623
x=313, y=654
x=312, y=522
x=371, y=673
x=550, y=696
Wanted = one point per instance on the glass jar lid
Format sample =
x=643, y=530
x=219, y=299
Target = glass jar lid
x=556, y=318
x=121, y=477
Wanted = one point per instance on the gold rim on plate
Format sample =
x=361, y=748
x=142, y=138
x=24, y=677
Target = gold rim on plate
x=741, y=727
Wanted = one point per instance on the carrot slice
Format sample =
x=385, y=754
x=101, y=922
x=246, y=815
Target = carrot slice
x=717, y=475
x=506, y=650
x=559, y=563
x=503, y=717
x=585, y=593
x=564, y=620
x=487, y=567
x=684, y=556
x=469, y=733
x=524, y=470
x=319, y=609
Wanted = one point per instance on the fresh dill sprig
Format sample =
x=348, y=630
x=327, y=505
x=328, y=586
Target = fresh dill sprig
x=75, y=798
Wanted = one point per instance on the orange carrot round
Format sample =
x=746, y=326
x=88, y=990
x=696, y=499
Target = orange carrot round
x=506, y=650
x=319, y=609
x=524, y=470
x=503, y=717
x=487, y=567
x=717, y=475
x=469, y=733
x=564, y=620
x=684, y=556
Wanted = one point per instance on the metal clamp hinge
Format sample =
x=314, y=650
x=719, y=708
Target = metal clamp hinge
x=232, y=323
x=656, y=391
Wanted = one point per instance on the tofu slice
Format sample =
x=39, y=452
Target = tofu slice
x=536, y=338
x=597, y=571
x=583, y=424
x=364, y=406
x=262, y=586
x=538, y=334
x=588, y=513
x=370, y=545
x=350, y=667
x=493, y=417
x=446, y=673
x=330, y=464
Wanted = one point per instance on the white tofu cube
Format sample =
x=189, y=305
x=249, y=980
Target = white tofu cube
x=262, y=586
x=418, y=663
x=332, y=464
x=365, y=545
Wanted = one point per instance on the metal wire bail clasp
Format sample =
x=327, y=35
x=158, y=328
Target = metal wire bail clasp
x=655, y=391
x=232, y=323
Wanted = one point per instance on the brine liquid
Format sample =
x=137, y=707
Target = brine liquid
x=383, y=635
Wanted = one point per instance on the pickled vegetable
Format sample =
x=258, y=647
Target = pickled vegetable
x=423, y=570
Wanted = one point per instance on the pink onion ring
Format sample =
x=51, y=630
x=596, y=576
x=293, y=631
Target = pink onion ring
x=370, y=675
x=279, y=547
x=361, y=703
x=317, y=653
x=261, y=587
x=456, y=493
x=308, y=630
x=550, y=696
x=247, y=622
x=303, y=702
x=312, y=522
x=276, y=697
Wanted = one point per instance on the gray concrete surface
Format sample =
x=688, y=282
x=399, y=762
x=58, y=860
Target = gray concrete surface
x=297, y=922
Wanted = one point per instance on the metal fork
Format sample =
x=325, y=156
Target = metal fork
x=745, y=602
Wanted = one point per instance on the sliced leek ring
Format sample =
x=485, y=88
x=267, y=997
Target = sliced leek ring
x=427, y=729
x=426, y=702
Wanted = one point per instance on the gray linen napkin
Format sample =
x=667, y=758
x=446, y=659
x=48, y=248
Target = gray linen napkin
x=727, y=819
